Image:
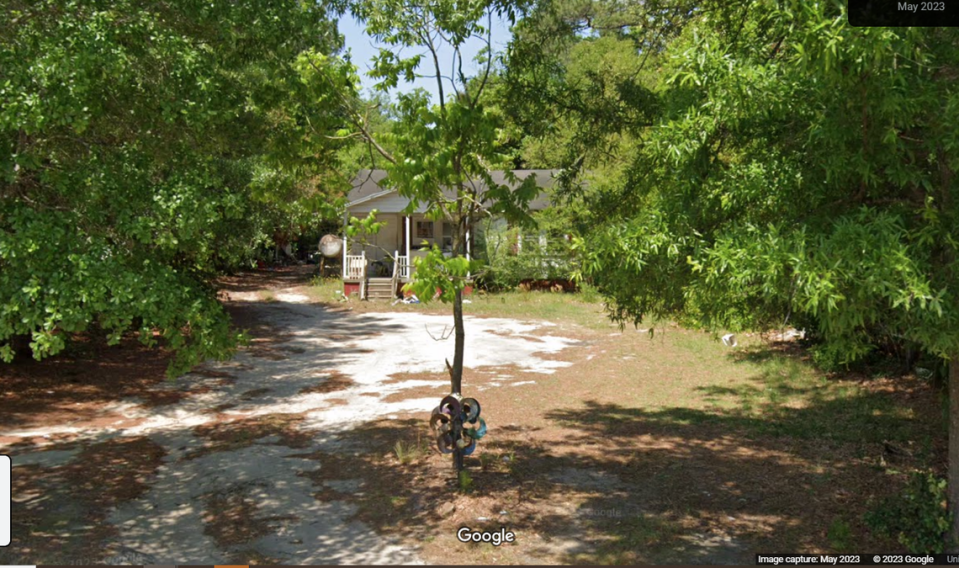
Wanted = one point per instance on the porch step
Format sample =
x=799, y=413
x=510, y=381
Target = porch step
x=379, y=289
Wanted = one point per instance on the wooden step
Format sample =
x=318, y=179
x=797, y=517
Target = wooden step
x=379, y=296
x=379, y=289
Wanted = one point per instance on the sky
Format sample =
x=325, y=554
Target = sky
x=363, y=48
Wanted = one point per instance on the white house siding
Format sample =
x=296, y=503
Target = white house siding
x=383, y=243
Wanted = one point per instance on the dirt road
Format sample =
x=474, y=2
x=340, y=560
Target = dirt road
x=238, y=457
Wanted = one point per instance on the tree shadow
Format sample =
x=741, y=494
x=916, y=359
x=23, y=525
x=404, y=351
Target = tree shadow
x=613, y=483
x=716, y=488
x=283, y=361
x=280, y=277
x=604, y=482
x=74, y=387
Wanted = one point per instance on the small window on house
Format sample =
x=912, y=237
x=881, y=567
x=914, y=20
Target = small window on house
x=424, y=229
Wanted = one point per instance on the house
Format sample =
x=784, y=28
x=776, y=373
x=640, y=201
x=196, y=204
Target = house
x=369, y=268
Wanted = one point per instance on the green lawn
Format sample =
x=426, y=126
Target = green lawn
x=578, y=308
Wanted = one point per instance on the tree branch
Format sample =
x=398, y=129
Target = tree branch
x=354, y=116
x=489, y=57
x=428, y=40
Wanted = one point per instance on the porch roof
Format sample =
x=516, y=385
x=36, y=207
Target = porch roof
x=367, y=189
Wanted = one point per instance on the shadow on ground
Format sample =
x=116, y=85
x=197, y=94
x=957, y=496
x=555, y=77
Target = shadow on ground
x=610, y=483
x=771, y=464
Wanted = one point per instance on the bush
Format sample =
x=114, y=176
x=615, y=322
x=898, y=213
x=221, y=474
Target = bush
x=917, y=517
x=588, y=293
x=507, y=265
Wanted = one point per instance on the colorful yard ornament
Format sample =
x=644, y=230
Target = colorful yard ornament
x=471, y=409
x=477, y=432
x=447, y=422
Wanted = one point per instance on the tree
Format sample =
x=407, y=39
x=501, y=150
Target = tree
x=443, y=153
x=579, y=76
x=144, y=146
x=799, y=171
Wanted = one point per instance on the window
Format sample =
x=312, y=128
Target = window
x=424, y=229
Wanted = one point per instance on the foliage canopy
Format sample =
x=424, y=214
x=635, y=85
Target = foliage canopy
x=143, y=146
x=797, y=171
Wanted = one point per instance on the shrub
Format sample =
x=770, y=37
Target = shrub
x=508, y=264
x=588, y=293
x=917, y=517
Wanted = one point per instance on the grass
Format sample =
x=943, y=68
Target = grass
x=641, y=540
x=840, y=535
x=409, y=452
x=465, y=481
x=785, y=395
x=581, y=308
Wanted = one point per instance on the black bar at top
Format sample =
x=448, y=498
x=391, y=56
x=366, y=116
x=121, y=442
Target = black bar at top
x=903, y=13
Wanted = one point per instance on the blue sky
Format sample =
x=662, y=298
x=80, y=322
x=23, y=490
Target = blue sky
x=363, y=48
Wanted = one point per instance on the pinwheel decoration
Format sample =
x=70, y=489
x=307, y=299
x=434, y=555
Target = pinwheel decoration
x=449, y=423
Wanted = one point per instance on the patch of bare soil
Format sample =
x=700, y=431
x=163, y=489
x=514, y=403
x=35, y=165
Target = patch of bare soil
x=60, y=512
x=403, y=377
x=331, y=382
x=254, y=393
x=123, y=468
x=261, y=280
x=583, y=472
x=232, y=518
x=75, y=387
x=213, y=374
x=437, y=392
x=477, y=379
x=234, y=433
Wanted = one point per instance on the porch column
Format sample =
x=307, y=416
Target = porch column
x=467, y=244
x=345, y=214
x=407, y=222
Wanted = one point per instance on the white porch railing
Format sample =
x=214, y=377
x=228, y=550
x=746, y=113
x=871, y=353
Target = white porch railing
x=356, y=266
x=399, y=267
x=403, y=262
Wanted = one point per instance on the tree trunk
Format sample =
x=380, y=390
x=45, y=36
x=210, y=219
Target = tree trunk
x=457, y=451
x=456, y=375
x=953, y=475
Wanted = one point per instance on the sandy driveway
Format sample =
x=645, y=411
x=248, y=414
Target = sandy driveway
x=267, y=477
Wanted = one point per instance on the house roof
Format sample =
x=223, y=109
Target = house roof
x=367, y=186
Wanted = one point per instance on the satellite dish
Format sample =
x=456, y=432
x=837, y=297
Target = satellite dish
x=331, y=246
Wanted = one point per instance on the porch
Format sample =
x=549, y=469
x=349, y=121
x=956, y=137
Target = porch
x=381, y=279
x=370, y=270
